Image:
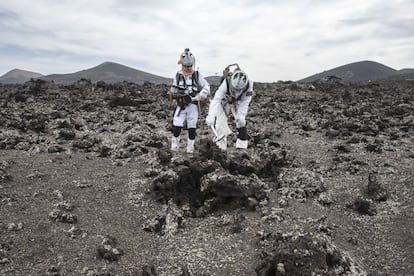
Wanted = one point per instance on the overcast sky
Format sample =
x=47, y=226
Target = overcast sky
x=271, y=40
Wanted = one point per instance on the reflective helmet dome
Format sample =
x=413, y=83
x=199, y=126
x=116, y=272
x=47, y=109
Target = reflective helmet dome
x=238, y=82
x=187, y=58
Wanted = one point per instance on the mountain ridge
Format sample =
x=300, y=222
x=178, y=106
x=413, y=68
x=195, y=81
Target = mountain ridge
x=109, y=72
x=112, y=72
x=361, y=71
x=18, y=76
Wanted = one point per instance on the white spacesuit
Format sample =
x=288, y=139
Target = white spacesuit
x=189, y=87
x=233, y=96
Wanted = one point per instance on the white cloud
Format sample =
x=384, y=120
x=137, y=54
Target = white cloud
x=271, y=40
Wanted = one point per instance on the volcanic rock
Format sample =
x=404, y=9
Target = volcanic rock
x=375, y=190
x=60, y=216
x=202, y=212
x=305, y=254
x=364, y=206
x=107, y=250
x=149, y=271
x=300, y=183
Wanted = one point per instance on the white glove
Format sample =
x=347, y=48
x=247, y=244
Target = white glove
x=196, y=98
x=210, y=120
x=203, y=94
x=200, y=96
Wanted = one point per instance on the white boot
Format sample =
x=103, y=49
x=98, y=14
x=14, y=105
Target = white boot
x=190, y=146
x=241, y=144
x=175, y=143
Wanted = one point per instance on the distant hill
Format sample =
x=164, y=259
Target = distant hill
x=406, y=71
x=213, y=80
x=109, y=72
x=357, y=71
x=406, y=74
x=18, y=76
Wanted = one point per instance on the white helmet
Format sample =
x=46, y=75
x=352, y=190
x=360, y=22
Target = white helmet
x=238, y=82
x=186, y=58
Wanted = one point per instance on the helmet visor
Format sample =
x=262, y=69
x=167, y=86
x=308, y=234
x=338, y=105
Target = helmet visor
x=187, y=68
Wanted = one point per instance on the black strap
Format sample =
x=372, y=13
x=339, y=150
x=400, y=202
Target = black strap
x=180, y=77
x=194, y=80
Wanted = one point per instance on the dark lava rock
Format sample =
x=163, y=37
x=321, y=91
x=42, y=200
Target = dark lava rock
x=271, y=163
x=4, y=176
x=66, y=134
x=104, y=151
x=204, y=183
x=20, y=98
x=53, y=271
x=210, y=151
x=60, y=216
x=304, y=255
x=185, y=272
x=63, y=123
x=375, y=190
x=155, y=142
x=155, y=225
x=85, y=143
x=5, y=249
x=300, y=183
x=308, y=126
x=240, y=164
x=55, y=149
x=148, y=270
x=374, y=147
x=364, y=207
x=343, y=148
x=228, y=188
x=64, y=205
x=182, y=182
x=164, y=156
x=122, y=101
x=37, y=124
x=38, y=86
x=168, y=222
x=107, y=250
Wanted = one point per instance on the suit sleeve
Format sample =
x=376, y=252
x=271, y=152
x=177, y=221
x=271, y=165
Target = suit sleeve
x=205, y=91
x=215, y=103
x=174, y=84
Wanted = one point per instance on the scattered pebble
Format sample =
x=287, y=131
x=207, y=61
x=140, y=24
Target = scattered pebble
x=15, y=227
x=59, y=216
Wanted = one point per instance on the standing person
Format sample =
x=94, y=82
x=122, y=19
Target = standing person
x=233, y=96
x=189, y=87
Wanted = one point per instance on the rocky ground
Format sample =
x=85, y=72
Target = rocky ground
x=88, y=185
